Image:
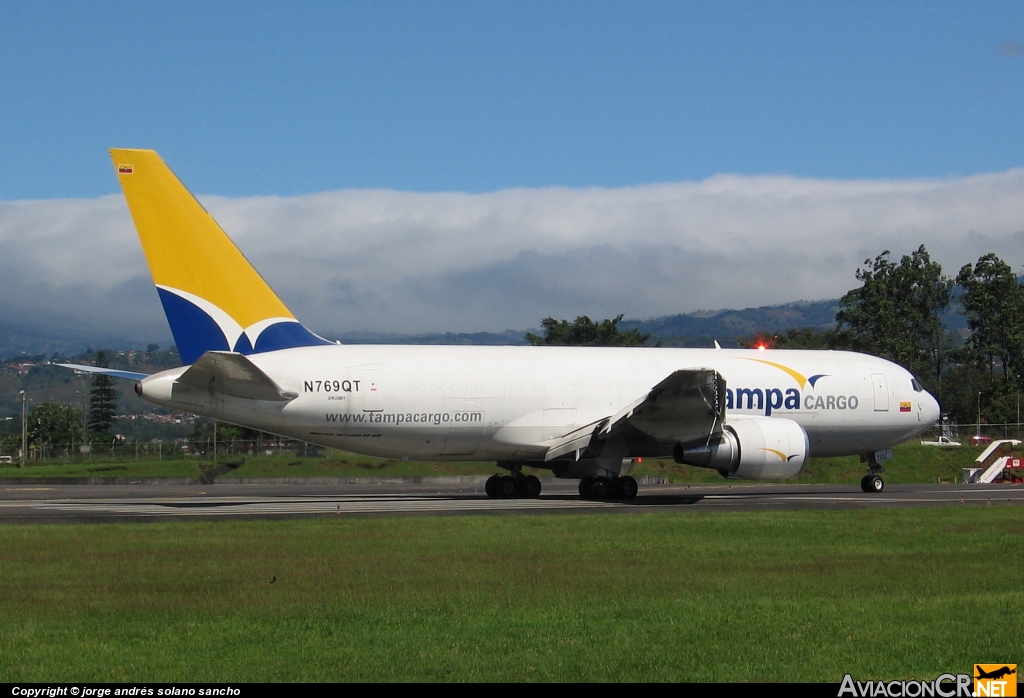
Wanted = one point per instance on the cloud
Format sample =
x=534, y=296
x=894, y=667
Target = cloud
x=392, y=261
x=1012, y=49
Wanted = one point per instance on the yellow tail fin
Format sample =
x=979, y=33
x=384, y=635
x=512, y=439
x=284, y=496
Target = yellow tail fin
x=213, y=297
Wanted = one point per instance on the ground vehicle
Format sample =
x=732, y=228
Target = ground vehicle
x=942, y=441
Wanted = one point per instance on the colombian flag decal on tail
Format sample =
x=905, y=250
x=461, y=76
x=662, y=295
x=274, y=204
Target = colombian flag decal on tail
x=213, y=298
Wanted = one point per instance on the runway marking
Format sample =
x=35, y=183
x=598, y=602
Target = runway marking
x=198, y=505
x=336, y=505
x=851, y=498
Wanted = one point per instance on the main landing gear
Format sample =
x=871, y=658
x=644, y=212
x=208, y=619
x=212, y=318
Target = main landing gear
x=600, y=487
x=872, y=482
x=509, y=486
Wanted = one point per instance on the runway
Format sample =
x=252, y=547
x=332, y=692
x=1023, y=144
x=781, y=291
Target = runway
x=154, y=502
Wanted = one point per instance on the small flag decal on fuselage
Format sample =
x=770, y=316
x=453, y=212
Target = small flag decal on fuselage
x=904, y=407
x=124, y=169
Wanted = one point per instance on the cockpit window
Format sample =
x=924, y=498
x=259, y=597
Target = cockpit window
x=916, y=385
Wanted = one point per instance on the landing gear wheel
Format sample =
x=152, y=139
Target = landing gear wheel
x=627, y=487
x=492, y=486
x=601, y=488
x=585, y=486
x=872, y=482
x=531, y=486
x=507, y=486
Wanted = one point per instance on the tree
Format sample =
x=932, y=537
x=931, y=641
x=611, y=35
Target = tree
x=796, y=338
x=897, y=312
x=993, y=302
x=585, y=332
x=102, y=399
x=53, y=423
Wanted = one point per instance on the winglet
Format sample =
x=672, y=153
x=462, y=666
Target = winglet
x=213, y=298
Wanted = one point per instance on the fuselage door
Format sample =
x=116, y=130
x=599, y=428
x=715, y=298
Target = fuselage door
x=373, y=391
x=881, y=387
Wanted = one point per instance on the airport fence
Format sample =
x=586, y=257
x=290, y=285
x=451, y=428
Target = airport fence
x=125, y=451
x=966, y=432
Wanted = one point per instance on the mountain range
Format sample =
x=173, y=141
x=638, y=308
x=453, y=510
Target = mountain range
x=696, y=329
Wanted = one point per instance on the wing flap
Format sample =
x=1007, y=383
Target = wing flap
x=575, y=440
x=233, y=374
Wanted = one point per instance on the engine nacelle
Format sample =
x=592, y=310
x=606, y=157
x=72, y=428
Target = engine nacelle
x=752, y=449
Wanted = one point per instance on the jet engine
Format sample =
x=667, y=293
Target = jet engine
x=751, y=449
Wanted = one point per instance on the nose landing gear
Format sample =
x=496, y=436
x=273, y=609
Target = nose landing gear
x=872, y=482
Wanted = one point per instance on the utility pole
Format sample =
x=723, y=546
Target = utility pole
x=24, y=432
x=85, y=415
x=979, y=415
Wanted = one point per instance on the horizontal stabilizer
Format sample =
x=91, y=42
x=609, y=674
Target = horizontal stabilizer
x=233, y=374
x=112, y=372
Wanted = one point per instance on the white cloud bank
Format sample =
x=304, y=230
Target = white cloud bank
x=405, y=262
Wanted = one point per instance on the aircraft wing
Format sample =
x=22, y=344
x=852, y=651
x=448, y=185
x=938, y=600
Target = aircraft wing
x=233, y=374
x=112, y=372
x=687, y=406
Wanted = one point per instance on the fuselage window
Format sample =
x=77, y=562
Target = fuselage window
x=917, y=386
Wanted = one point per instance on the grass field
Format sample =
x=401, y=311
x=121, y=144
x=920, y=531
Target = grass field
x=912, y=463
x=769, y=596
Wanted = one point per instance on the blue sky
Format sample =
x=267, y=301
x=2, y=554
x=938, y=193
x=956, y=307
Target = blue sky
x=469, y=166
x=293, y=98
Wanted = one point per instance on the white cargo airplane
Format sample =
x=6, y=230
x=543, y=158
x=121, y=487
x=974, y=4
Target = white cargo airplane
x=581, y=412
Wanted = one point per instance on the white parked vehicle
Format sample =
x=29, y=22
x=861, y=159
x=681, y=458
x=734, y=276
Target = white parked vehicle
x=943, y=441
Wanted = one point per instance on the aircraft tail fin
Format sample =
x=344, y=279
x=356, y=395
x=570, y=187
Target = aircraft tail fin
x=212, y=296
